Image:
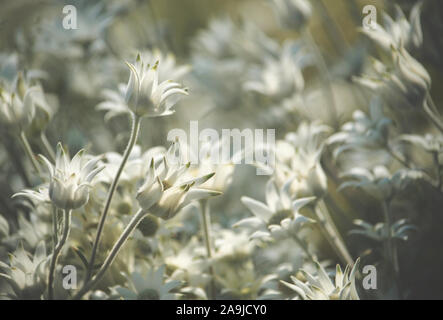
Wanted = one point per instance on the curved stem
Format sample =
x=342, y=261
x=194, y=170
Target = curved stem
x=47, y=146
x=323, y=68
x=205, y=219
x=431, y=111
x=132, y=140
x=395, y=156
x=304, y=247
x=332, y=234
x=29, y=152
x=56, y=253
x=55, y=225
x=113, y=254
x=391, y=248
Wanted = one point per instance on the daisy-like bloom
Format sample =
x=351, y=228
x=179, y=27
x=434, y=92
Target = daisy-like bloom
x=365, y=131
x=144, y=95
x=69, y=180
x=150, y=287
x=281, y=76
x=279, y=208
x=379, y=232
x=17, y=108
x=166, y=190
x=25, y=274
x=321, y=287
x=169, y=69
x=210, y=161
x=398, y=32
x=298, y=158
x=293, y=13
x=407, y=83
x=379, y=182
x=189, y=266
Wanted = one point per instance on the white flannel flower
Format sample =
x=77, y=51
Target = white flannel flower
x=293, y=13
x=17, y=108
x=211, y=160
x=379, y=182
x=150, y=287
x=429, y=143
x=69, y=180
x=166, y=190
x=26, y=274
x=321, y=287
x=398, y=32
x=407, y=83
x=279, y=208
x=168, y=67
x=298, y=159
x=144, y=95
x=365, y=131
x=281, y=76
x=379, y=232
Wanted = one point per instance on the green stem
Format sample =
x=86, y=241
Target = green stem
x=391, y=247
x=29, y=152
x=323, y=69
x=54, y=225
x=113, y=254
x=304, y=247
x=205, y=219
x=56, y=252
x=50, y=152
x=332, y=234
x=431, y=111
x=132, y=140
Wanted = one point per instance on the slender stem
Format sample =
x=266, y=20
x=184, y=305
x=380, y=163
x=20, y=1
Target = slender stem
x=437, y=167
x=332, y=234
x=432, y=112
x=29, y=152
x=323, y=69
x=49, y=150
x=332, y=28
x=304, y=247
x=56, y=253
x=395, y=156
x=205, y=219
x=113, y=254
x=391, y=247
x=132, y=140
x=54, y=225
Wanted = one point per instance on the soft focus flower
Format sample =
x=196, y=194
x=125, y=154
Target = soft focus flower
x=298, y=159
x=379, y=182
x=398, y=32
x=26, y=274
x=407, y=83
x=16, y=108
x=150, y=287
x=321, y=287
x=293, y=13
x=379, y=232
x=281, y=76
x=279, y=208
x=365, y=131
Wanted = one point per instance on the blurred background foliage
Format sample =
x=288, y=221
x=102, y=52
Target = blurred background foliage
x=171, y=25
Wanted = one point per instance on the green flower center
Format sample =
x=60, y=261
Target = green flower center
x=148, y=294
x=279, y=216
